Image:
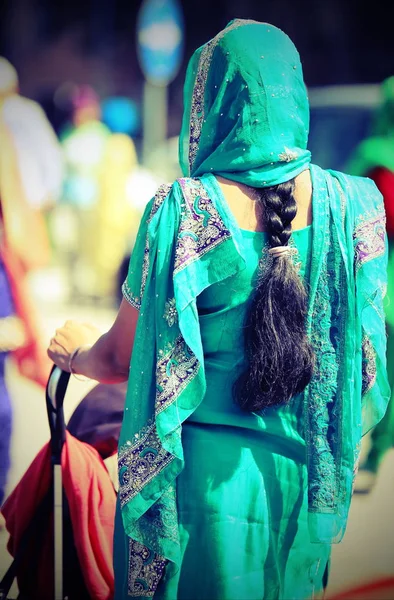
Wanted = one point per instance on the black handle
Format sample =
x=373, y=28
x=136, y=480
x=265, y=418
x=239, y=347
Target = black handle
x=54, y=395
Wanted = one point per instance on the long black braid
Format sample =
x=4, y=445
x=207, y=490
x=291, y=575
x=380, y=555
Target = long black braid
x=279, y=354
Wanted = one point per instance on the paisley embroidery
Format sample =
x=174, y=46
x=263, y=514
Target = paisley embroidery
x=175, y=369
x=170, y=312
x=145, y=570
x=140, y=461
x=160, y=522
x=368, y=365
x=201, y=227
x=369, y=237
x=197, y=105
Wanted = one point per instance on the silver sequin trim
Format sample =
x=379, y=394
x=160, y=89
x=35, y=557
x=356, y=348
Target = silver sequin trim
x=288, y=155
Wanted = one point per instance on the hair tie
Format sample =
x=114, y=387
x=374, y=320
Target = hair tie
x=279, y=251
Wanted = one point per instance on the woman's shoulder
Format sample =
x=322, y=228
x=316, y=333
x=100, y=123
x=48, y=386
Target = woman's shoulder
x=178, y=186
x=170, y=199
x=362, y=196
x=354, y=182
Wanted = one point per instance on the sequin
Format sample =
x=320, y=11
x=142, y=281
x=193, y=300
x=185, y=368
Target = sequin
x=201, y=227
x=170, y=312
x=145, y=569
x=370, y=238
x=128, y=295
x=368, y=365
x=174, y=371
x=159, y=198
x=139, y=461
x=288, y=155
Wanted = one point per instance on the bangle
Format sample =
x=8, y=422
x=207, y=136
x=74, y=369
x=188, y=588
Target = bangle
x=70, y=363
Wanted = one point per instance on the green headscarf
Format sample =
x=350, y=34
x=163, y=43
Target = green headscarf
x=246, y=119
x=378, y=149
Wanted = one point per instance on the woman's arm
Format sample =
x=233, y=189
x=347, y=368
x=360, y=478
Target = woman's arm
x=106, y=360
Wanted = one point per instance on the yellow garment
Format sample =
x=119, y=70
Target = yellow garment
x=116, y=220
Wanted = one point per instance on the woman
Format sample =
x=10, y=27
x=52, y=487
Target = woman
x=374, y=158
x=248, y=386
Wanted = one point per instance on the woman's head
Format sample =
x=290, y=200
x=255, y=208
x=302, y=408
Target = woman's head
x=8, y=78
x=246, y=111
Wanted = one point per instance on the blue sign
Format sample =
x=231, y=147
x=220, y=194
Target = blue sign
x=160, y=40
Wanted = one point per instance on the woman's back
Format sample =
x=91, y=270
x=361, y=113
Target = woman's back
x=223, y=308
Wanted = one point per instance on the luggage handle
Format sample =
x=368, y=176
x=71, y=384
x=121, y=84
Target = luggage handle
x=54, y=395
x=57, y=387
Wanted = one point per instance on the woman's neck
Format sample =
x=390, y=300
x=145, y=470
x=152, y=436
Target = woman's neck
x=249, y=214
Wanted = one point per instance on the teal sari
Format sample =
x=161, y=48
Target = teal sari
x=188, y=242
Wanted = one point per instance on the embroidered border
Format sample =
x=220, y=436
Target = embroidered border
x=159, y=198
x=197, y=104
x=201, y=227
x=145, y=569
x=368, y=365
x=140, y=461
x=128, y=295
x=174, y=371
x=127, y=292
x=357, y=457
x=324, y=425
x=369, y=237
x=322, y=485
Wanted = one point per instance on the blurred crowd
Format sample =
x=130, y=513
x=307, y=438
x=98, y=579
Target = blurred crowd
x=72, y=192
x=82, y=187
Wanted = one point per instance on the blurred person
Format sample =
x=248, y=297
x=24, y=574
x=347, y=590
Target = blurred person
x=251, y=337
x=163, y=160
x=84, y=143
x=23, y=240
x=121, y=115
x=38, y=151
x=116, y=218
x=141, y=186
x=374, y=158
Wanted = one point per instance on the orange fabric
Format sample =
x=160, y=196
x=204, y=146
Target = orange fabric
x=381, y=589
x=91, y=499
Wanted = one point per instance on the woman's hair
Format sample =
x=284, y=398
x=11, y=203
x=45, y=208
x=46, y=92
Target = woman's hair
x=279, y=354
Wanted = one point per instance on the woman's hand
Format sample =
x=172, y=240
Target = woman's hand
x=68, y=338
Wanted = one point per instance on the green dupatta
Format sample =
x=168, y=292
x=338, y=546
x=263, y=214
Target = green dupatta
x=189, y=240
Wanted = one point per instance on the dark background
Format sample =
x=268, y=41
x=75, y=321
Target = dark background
x=93, y=41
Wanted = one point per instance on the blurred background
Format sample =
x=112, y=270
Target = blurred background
x=102, y=82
